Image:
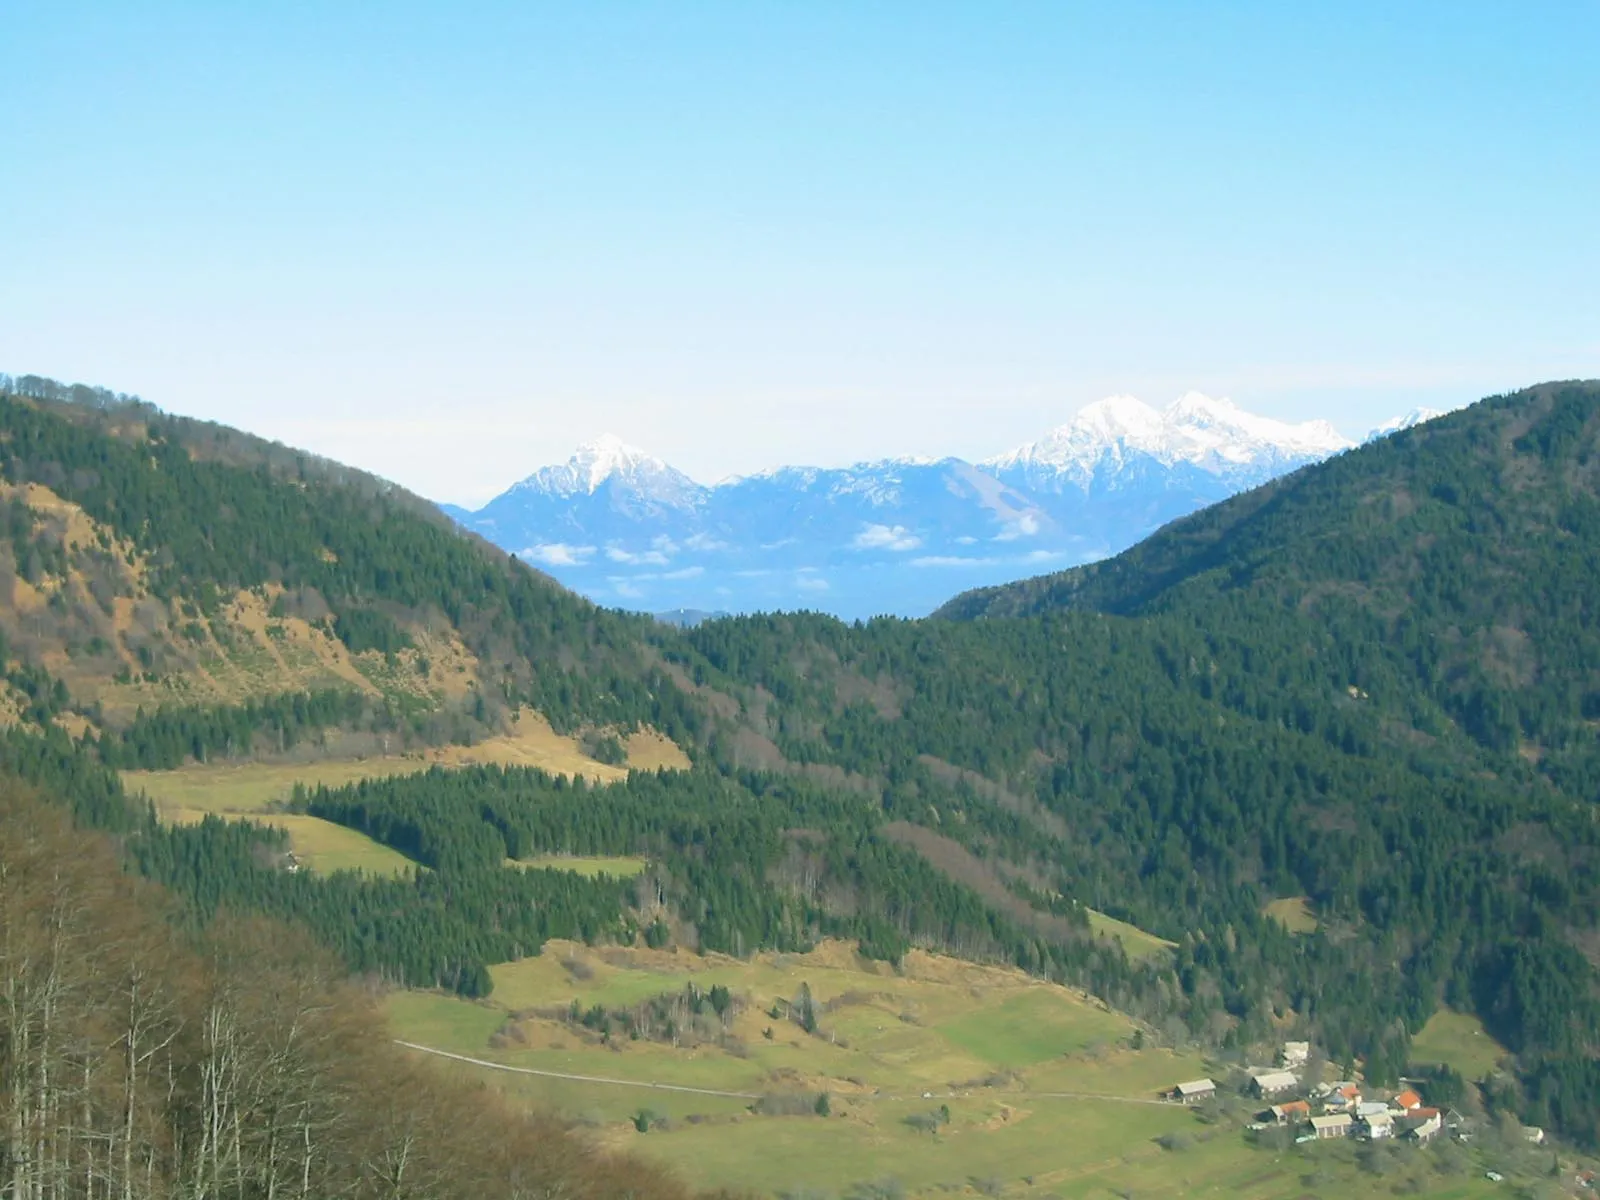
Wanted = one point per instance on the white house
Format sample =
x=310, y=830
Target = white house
x=1379, y=1125
x=1427, y=1125
x=1294, y=1054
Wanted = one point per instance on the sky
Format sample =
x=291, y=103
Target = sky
x=449, y=243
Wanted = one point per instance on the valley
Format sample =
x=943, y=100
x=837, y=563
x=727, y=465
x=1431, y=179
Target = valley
x=1315, y=764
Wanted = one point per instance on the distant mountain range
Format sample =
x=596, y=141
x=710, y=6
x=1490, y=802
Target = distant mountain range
x=900, y=535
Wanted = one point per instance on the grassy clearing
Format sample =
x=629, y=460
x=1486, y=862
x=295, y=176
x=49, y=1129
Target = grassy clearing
x=1460, y=1042
x=1293, y=913
x=1136, y=943
x=589, y=866
x=260, y=790
x=234, y=789
x=894, y=1049
x=1030, y=1027
x=231, y=790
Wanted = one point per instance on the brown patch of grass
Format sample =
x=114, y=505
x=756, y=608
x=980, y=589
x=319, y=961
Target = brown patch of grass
x=1293, y=913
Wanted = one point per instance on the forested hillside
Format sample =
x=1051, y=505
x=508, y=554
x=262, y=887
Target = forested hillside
x=1371, y=685
x=151, y=560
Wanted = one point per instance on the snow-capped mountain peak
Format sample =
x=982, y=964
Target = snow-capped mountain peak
x=1415, y=417
x=1214, y=435
x=608, y=460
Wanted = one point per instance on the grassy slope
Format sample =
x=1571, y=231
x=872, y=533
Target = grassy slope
x=623, y=866
x=1293, y=913
x=255, y=790
x=1136, y=943
x=989, y=1044
x=1459, y=1041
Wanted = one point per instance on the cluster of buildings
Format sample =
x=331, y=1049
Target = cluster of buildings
x=1343, y=1112
x=1327, y=1110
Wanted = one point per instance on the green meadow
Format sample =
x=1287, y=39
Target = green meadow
x=942, y=1078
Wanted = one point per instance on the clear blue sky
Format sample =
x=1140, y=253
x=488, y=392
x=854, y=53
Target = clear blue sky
x=447, y=243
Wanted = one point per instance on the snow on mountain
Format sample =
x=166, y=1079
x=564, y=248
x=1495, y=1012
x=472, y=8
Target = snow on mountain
x=628, y=472
x=1415, y=417
x=1213, y=435
x=896, y=535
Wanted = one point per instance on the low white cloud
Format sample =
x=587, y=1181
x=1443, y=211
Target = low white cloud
x=662, y=544
x=558, y=554
x=703, y=543
x=964, y=540
x=811, y=583
x=952, y=560
x=1024, y=526
x=626, y=590
x=886, y=537
x=636, y=558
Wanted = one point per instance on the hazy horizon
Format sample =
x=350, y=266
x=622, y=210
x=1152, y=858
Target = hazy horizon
x=449, y=251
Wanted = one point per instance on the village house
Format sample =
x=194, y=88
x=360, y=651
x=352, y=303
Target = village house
x=1294, y=1054
x=1335, y=1126
x=1370, y=1108
x=1341, y=1095
x=1379, y=1126
x=1193, y=1091
x=1407, y=1100
x=1426, y=1124
x=1274, y=1083
x=1290, y=1112
x=1534, y=1135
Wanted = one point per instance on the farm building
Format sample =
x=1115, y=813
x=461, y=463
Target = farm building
x=1426, y=1124
x=1274, y=1083
x=1288, y=1114
x=1193, y=1091
x=1534, y=1135
x=1336, y=1126
x=1294, y=1054
x=1336, y=1096
x=1370, y=1108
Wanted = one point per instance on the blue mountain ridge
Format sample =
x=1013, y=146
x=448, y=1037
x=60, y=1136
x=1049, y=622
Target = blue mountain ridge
x=898, y=536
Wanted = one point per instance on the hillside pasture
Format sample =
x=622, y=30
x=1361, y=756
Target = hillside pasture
x=1136, y=943
x=943, y=1078
x=1458, y=1041
x=621, y=866
x=261, y=791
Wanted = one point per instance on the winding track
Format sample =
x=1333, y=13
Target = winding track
x=678, y=1087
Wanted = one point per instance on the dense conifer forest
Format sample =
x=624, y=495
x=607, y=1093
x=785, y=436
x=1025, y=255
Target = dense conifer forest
x=1374, y=684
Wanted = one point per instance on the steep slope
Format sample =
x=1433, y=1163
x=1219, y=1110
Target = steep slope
x=1453, y=563
x=151, y=560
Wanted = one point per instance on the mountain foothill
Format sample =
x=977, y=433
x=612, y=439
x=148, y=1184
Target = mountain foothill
x=1371, y=684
